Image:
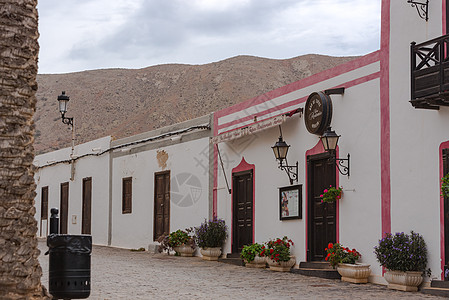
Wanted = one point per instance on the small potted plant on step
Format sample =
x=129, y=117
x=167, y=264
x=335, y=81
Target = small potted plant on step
x=210, y=236
x=251, y=255
x=405, y=257
x=345, y=260
x=278, y=254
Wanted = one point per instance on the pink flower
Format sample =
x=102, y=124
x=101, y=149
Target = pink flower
x=325, y=190
x=321, y=196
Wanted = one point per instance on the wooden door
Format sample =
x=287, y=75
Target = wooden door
x=161, y=204
x=64, y=208
x=242, y=210
x=87, y=206
x=44, y=209
x=446, y=210
x=321, y=173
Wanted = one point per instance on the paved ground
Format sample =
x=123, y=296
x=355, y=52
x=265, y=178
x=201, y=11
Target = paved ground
x=122, y=274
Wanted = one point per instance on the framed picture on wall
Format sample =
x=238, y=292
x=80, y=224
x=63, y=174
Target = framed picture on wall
x=290, y=202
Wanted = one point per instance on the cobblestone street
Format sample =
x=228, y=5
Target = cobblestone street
x=123, y=274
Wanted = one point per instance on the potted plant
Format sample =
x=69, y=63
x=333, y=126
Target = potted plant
x=345, y=260
x=181, y=241
x=331, y=194
x=251, y=255
x=445, y=186
x=405, y=257
x=210, y=236
x=278, y=254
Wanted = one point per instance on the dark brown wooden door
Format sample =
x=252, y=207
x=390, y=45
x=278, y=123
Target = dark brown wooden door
x=161, y=204
x=446, y=209
x=64, y=208
x=242, y=210
x=44, y=208
x=321, y=216
x=87, y=206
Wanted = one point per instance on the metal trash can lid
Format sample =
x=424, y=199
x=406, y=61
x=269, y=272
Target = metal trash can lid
x=70, y=243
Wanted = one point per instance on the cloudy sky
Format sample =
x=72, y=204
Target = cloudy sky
x=78, y=35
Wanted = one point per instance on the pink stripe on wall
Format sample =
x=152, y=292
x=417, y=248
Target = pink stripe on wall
x=297, y=101
x=444, y=18
x=327, y=74
x=385, y=117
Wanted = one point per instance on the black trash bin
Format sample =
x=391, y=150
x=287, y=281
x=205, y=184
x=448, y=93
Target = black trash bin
x=69, y=265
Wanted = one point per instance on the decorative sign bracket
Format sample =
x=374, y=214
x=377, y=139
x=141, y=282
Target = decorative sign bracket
x=422, y=8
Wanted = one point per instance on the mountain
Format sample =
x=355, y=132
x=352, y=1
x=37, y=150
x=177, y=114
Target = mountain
x=124, y=102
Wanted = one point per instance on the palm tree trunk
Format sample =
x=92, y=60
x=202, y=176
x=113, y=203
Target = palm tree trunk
x=20, y=272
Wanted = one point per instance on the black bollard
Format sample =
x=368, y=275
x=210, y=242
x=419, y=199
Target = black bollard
x=54, y=221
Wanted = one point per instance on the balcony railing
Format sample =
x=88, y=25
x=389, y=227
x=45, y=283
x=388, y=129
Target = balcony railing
x=430, y=73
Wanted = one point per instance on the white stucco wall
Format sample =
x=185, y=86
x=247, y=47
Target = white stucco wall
x=356, y=117
x=185, y=160
x=96, y=167
x=416, y=135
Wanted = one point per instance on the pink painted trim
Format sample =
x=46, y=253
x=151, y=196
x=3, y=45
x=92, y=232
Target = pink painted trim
x=347, y=85
x=444, y=29
x=443, y=145
x=338, y=70
x=385, y=118
x=318, y=149
x=242, y=167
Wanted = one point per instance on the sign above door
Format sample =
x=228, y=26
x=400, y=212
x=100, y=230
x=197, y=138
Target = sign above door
x=318, y=112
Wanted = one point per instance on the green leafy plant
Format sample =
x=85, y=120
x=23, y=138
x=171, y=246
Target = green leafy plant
x=403, y=252
x=211, y=233
x=278, y=249
x=179, y=237
x=337, y=254
x=331, y=194
x=445, y=186
x=249, y=252
x=176, y=239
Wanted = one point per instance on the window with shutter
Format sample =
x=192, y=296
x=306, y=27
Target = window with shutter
x=126, y=195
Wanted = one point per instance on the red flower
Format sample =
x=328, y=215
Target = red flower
x=271, y=251
x=326, y=258
x=277, y=254
x=330, y=246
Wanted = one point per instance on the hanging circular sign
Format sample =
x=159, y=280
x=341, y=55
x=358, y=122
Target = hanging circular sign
x=318, y=112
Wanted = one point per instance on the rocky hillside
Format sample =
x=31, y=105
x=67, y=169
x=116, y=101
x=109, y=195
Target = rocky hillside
x=124, y=102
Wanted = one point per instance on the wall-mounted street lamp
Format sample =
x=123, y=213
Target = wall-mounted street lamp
x=280, y=150
x=422, y=7
x=330, y=142
x=63, y=100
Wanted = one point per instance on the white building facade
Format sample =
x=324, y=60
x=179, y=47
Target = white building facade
x=223, y=165
x=397, y=150
x=128, y=192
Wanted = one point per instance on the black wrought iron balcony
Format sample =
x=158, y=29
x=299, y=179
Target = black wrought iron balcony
x=430, y=73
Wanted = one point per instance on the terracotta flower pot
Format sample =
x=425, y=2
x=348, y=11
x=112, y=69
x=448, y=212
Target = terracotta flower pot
x=403, y=281
x=281, y=266
x=211, y=253
x=355, y=273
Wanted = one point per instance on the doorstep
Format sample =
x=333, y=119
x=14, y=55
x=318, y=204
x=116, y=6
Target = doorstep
x=232, y=258
x=437, y=288
x=317, y=269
